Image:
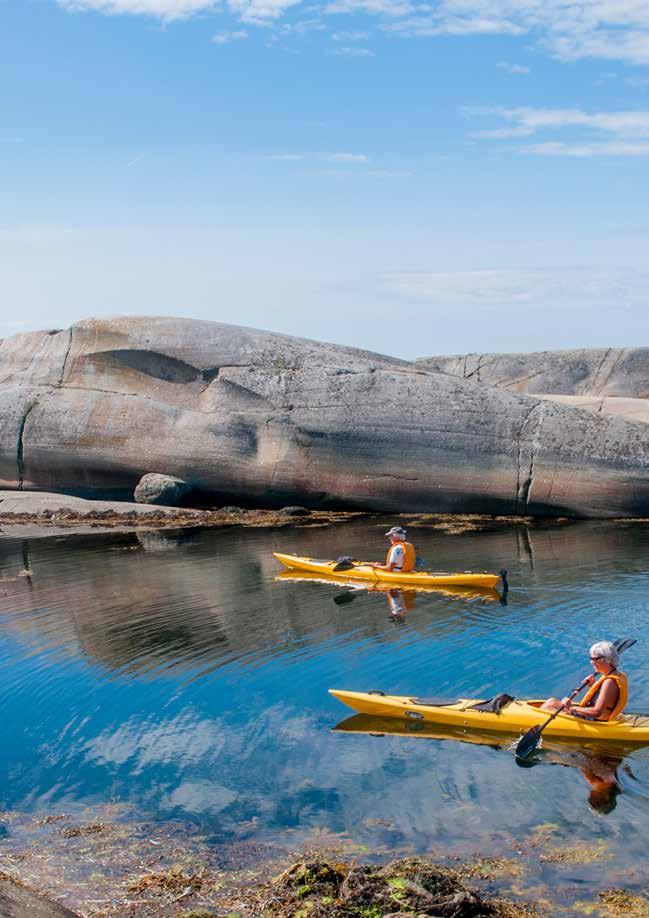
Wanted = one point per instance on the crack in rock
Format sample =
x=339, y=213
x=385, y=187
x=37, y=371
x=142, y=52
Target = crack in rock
x=523, y=487
x=20, y=447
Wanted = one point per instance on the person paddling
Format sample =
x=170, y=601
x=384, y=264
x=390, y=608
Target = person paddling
x=606, y=696
x=401, y=554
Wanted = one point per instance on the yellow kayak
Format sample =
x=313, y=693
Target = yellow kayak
x=514, y=717
x=362, y=571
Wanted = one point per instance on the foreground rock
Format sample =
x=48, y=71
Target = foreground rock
x=256, y=419
x=59, y=511
x=16, y=901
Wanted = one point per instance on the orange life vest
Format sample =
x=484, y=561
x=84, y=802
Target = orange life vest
x=409, y=556
x=622, y=684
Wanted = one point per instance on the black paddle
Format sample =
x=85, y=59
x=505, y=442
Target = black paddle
x=530, y=740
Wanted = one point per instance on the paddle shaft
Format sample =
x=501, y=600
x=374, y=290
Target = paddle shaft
x=554, y=714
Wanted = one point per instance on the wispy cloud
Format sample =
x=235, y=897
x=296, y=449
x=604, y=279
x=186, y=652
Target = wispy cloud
x=351, y=51
x=513, y=68
x=569, y=30
x=160, y=9
x=587, y=151
x=349, y=158
x=224, y=38
x=340, y=159
x=621, y=133
x=350, y=36
x=616, y=287
x=261, y=12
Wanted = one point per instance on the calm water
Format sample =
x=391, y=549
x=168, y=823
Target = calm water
x=174, y=673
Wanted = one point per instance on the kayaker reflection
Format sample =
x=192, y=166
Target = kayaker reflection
x=400, y=602
x=601, y=773
x=401, y=555
x=606, y=696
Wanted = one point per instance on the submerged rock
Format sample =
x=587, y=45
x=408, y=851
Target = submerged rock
x=263, y=419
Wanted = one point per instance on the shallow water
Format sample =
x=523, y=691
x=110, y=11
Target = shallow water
x=174, y=673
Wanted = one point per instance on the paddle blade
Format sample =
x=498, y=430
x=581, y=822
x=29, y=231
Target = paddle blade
x=624, y=644
x=528, y=743
x=341, y=599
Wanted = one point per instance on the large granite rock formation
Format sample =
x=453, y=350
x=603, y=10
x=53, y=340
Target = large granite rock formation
x=603, y=381
x=264, y=419
x=588, y=372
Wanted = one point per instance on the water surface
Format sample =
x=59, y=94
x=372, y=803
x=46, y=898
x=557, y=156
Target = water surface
x=173, y=672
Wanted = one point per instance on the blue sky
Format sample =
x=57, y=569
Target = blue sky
x=414, y=178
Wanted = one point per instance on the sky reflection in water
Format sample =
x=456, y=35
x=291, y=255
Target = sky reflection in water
x=174, y=672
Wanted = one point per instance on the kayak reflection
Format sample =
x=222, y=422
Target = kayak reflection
x=405, y=598
x=599, y=765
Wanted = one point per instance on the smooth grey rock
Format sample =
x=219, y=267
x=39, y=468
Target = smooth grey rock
x=294, y=511
x=631, y=409
x=164, y=490
x=603, y=381
x=46, y=504
x=16, y=901
x=262, y=419
x=618, y=372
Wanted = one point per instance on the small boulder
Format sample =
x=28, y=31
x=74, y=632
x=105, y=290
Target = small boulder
x=294, y=511
x=161, y=489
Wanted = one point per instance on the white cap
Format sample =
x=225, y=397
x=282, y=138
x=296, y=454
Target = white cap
x=397, y=531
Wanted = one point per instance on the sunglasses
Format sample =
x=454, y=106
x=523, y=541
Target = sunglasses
x=595, y=659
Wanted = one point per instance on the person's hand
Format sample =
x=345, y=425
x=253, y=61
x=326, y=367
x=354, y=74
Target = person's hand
x=590, y=679
x=566, y=703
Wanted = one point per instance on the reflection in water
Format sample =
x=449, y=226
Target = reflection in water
x=183, y=675
x=599, y=764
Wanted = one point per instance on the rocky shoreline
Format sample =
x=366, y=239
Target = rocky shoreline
x=103, y=863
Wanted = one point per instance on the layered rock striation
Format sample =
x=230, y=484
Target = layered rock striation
x=600, y=380
x=255, y=418
x=591, y=372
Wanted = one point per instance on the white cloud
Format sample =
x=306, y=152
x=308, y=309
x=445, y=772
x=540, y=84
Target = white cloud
x=351, y=158
x=512, y=68
x=161, y=9
x=587, y=151
x=345, y=51
x=224, y=38
x=567, y=29
x=626, y=132
x=261, y=12
x=392, y=8
x=350, y=36
x=528, y=287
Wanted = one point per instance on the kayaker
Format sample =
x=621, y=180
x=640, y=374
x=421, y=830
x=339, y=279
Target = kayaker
x=607, y=696
x=401, y=554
